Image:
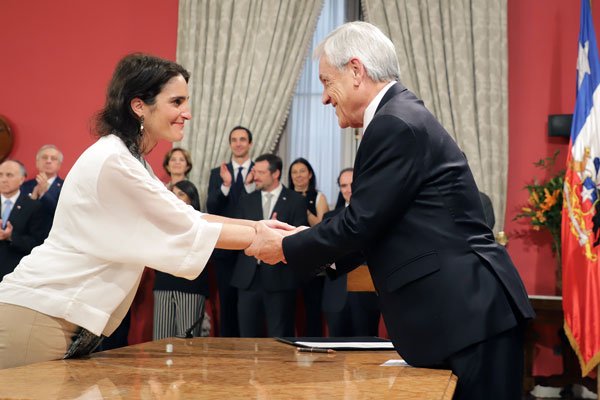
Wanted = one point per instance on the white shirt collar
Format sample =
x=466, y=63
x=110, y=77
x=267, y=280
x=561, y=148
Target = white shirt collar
x=51, y=180
x=276, y=192
x=245, y=165
x=372, y=107
x=12, y=198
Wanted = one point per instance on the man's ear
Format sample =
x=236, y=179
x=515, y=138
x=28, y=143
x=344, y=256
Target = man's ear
x=138, y=105
x=277, y=174
x=357, y=69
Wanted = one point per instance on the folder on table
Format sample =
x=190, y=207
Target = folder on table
x=340, y=343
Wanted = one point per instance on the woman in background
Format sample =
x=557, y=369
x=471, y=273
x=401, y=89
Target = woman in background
x=177, y=164
x=179, y=302
x=302, y=179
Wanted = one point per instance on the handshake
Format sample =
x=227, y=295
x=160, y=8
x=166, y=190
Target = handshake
x=267, y=244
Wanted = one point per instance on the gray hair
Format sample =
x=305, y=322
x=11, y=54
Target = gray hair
x=19, y=163
x=365, y=42
x=46, y=147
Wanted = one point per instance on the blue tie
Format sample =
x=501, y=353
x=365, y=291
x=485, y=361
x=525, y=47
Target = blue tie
x=6, y=212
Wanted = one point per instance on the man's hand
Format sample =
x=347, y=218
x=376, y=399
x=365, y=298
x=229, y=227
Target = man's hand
x=225, y=175
x=6, y=233
x=42, y=184
x=250, y=177
x=273, y=223
x=267, y=243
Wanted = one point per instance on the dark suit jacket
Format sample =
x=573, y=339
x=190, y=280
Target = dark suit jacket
x=49, y=200
x=27, y=220
x=443, y=281
x=291, y=208
x=488, y=209
x=219, y=204
x=334, y=290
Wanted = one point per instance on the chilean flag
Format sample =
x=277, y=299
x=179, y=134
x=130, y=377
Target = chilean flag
x=580, y=216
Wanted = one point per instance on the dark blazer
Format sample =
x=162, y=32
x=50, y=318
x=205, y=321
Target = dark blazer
x=443, y=281
x=49, y=200
x=217, y=203
x=27, y=220
x=291, y=208
x=334, y=290
x=488, y=209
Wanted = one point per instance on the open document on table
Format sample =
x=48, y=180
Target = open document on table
x=340, y=343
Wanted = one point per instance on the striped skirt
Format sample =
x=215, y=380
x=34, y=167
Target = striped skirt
x=175, y=312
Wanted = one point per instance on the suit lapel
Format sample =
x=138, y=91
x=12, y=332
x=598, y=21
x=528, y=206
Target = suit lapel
x=57, y=183
x=281, y=204
x=18, y=209
x=393, y=91
x=256, y=197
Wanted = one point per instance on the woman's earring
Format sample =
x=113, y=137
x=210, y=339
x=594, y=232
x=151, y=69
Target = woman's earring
x=141, y=125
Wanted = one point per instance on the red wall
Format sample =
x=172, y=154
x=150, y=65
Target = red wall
x=57, y=58
x=542, y=51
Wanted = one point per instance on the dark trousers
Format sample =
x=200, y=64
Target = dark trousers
x=228, y=318
x=359, y=317
x=492, y=369
x=258, y=307
x=312, y=294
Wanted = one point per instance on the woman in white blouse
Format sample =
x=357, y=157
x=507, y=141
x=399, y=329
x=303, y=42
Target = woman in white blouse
x=113, y=218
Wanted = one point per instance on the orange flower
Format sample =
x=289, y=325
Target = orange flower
x=534, y=199
x=540, y=216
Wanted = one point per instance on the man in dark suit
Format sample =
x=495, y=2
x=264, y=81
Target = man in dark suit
x=21, y=219
x=266, y=293
x=225, y=186
x=449, y=294
x=350, y=304
x=488, y=210
x=46, y=186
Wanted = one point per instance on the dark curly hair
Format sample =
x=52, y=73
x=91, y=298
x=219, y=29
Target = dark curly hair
x=136, y=76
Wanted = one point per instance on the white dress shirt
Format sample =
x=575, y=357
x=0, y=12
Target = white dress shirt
x=112, y=219
x=275, y=192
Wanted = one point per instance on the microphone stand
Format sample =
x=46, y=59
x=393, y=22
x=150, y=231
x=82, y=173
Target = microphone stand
x=188, y=332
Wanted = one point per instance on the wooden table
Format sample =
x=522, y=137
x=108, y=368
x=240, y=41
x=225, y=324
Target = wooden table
x=225, y=368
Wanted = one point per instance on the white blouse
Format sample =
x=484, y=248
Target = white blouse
x=112, y=219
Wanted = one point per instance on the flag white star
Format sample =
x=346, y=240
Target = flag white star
x=586, y=193
x=583, y=63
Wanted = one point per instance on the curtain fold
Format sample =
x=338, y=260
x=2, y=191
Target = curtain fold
x=245, y=58
x=453, y=55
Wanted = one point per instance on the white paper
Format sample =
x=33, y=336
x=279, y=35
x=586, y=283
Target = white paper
x=353, y=345
x=395, y=363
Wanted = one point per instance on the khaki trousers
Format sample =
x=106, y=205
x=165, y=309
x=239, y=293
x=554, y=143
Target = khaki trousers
x=28, y=336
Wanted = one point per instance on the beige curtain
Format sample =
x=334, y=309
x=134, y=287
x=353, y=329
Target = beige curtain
x=245, y=58
x=453, y=55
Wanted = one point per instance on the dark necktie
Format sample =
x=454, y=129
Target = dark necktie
x=238, y=185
